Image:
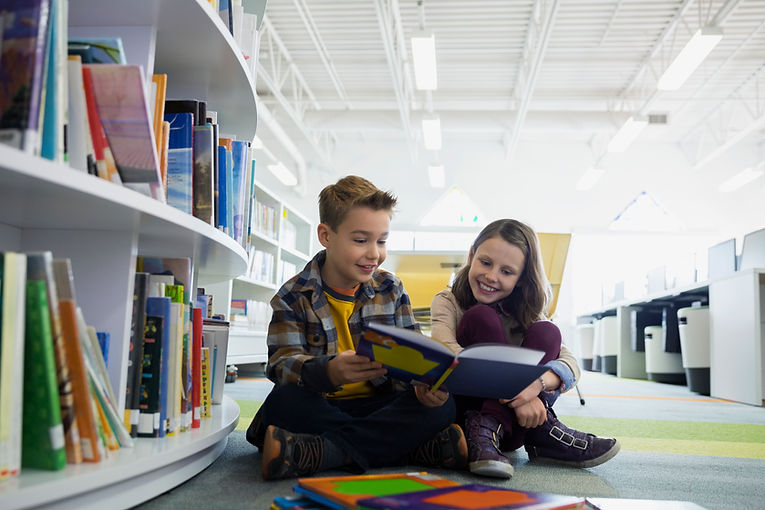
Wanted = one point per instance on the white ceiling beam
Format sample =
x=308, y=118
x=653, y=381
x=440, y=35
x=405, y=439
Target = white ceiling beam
x=733, y=120
x=326, y=59
x=540, y=28
x=282, y=70
x=389, y=19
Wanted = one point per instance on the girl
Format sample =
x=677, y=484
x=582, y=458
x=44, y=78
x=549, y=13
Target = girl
x=501, y=296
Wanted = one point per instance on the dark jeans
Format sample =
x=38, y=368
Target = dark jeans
x=482, y=324
x=376, y=431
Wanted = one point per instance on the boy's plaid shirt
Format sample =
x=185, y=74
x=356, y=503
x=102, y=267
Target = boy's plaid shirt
x=302, y=327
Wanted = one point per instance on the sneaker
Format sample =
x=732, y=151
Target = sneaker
x=484, y=456
x=448, y=449
x=556, y=443
x=288, y=455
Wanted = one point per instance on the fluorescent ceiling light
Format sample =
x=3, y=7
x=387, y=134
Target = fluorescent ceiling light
x=740, y=179
x=431, y=132
x=283, y=173
x=689, y=58
x=424, y=58
x=626, y=134
x=589, y=178
x=436, y=176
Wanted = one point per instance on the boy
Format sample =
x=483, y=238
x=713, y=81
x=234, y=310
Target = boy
x=331, y=408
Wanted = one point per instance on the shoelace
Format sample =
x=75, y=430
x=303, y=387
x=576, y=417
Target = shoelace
x=308, y=455
x=428, y=454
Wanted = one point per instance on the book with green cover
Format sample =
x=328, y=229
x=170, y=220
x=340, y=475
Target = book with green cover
x=42, y=443
x=345, y=491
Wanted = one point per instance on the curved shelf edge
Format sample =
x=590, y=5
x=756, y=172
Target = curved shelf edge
x=131, y=475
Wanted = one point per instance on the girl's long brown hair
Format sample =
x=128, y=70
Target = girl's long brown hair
x=531, y=296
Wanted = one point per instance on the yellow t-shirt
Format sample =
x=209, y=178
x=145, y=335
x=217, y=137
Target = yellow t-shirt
x=341, y=304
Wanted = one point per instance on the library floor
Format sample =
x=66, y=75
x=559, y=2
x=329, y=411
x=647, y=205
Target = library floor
x=676, y=446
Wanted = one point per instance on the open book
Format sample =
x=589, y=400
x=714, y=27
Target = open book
x=485, y=370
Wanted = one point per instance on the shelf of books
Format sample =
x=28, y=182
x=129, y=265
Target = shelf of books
x=130, y=475
x=105, y=239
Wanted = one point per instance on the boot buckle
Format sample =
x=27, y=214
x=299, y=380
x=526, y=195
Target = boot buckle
x=567, y=439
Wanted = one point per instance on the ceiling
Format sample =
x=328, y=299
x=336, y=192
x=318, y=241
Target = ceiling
x=529, y=94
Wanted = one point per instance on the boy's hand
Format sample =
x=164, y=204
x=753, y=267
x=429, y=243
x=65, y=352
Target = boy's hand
x=349, y=367
x=430, y=398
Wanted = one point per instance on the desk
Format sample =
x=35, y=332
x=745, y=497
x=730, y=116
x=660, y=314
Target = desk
x=736, y=313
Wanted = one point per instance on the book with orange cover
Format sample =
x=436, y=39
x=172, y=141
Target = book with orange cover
x=159, y=82
x=346, y=491
x=486, y=497
x=86, y=420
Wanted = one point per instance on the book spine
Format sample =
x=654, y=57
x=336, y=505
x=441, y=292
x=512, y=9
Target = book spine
x=43, y=444
x=196, y=368
x=137, y=330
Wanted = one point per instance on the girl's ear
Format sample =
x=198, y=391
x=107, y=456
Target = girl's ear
x=470, y=256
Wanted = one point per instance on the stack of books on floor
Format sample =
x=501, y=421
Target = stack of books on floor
x=414, y=491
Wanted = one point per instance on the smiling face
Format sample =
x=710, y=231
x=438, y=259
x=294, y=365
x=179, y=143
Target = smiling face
x=356, y=249
x=495, y=268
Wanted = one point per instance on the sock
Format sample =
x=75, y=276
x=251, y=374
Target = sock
x=333, y=456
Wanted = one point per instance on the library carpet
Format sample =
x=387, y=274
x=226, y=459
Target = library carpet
x=676, y=445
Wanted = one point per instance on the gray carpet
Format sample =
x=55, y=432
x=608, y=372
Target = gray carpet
x=713, y=482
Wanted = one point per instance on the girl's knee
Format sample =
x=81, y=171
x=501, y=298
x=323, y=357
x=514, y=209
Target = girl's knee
x=544, y=336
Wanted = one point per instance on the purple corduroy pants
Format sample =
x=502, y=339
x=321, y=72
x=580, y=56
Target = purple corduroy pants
x=482, y=324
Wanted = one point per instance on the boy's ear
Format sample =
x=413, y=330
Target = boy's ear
x=323, y=232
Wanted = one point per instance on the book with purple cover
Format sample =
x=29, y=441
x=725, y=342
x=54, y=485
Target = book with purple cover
x=486, y=497
x=23, y=40
x=124, y=112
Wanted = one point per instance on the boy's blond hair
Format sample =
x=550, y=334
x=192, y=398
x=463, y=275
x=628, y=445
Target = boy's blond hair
x=336, y=200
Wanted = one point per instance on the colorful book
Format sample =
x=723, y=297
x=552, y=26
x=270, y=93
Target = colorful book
x=149, y=417
x=159, y=91
x=295, y=502
x=485, y=497
x=104, y=159
x=180, y=161
x=22, y=72
x=204, y=178
x=43, y=444
x=135, y=352
x=79, y=142
x=124, y=113
x=55, y=104
x=175, y=353
x=43, y=261
x=180, y=268
x=196, y=362
x=92, y=449
x=239, y=156
x=486, y=370
x=343, y=492
x=215, y=336
x=98, y=50
x=155, y=366
x=14, y=283
x=206, y=387
x=222, y=189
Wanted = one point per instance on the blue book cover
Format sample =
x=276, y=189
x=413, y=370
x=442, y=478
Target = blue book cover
x=160, y=307
x=51, y=122
x=180, y=161
x=238, y=181
x=103, y=343
x=223, y=173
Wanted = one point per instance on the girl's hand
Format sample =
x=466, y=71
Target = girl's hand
x=349, y=367
x=531, y=414
x=430, y=398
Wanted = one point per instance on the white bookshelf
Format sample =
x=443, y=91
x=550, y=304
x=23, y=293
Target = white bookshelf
x=290, y=245
x=131, y=475
x=103, y=227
